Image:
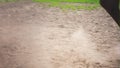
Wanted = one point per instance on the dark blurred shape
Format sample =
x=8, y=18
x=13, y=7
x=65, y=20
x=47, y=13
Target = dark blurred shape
x=112, y=7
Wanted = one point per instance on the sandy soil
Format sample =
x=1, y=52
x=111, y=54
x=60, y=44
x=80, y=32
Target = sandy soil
x=33, y=36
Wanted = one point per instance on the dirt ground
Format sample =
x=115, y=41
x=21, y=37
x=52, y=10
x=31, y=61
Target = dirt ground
x=33, y=36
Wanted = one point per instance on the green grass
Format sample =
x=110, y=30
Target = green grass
x=67, y=4
x=77, y=1
x=72, y=4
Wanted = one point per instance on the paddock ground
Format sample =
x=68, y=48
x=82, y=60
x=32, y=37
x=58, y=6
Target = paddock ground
x=34, y=36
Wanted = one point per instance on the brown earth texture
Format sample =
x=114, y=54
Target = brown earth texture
x=34, y=36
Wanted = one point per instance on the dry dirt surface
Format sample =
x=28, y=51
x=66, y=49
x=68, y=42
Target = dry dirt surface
x=33, y=36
